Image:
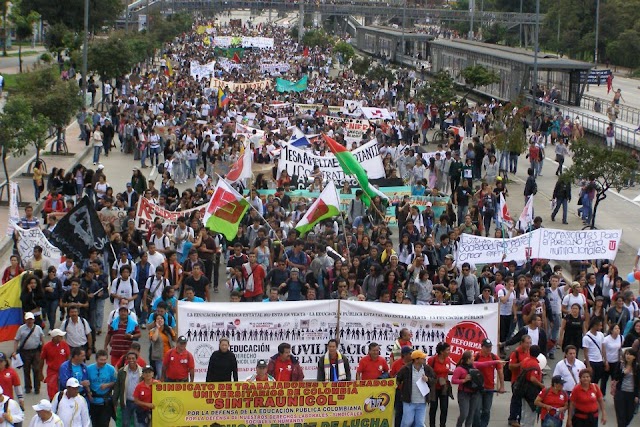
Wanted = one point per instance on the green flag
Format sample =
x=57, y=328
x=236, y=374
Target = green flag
x=225, y=211
x=283, y=85
x=327, y=205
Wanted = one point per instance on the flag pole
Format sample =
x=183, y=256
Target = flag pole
x=267, y=224
x=344, y=233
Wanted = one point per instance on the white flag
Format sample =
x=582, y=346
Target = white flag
x=526, y=217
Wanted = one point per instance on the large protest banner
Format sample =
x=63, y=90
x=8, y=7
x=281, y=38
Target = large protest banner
x=463, y=327
x=282, y=404
x=148, y=212
x=28, y=239
x=202, y=70
x=300, y=162
x=261, y=84
x=547, y=243
x=354, y=128
x=256, y=329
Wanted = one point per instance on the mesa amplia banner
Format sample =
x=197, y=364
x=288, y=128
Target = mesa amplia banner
x=282, y=404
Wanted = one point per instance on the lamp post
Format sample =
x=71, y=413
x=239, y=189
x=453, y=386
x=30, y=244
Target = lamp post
x=472, y=7
x=404, y=17
x=595, y=51
x=535, y=58
x=85, y=51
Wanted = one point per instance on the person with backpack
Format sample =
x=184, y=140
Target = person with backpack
x=485, y=399
x=124, y=288
x=470, y=382
x=12, y=410
x=553, y=403
x=527, y=386
x=414, y=402
x=530, y=187
x=78, y=331
x=513, y=370
x=70, y=406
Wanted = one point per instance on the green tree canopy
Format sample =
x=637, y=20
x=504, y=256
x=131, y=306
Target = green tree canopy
x=15, y=116
x=70, y=13
x=478, y=75
x=111, y=57
x=345, y=50
x=317, y=38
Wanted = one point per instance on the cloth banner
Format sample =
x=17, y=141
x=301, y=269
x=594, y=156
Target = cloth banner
x=14, y=211
x=28, y=239
x=373, y=113
x=114, y=217
x=147, y=213
x=274, y=67
x=282, y=404
x=202, y=70
x=546, y=243
x=257, y=42
x=301, y=109
x=301, y=162
x=256, y=329
x=229, y=52
x=352, y=108
x=262, y=84
x=283, y=85
x=354, y=128
x=80, y=230
x=228, y=65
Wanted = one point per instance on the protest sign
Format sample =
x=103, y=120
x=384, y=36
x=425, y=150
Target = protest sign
x=274, y=67
x=306, y=108
x=354, y=129
x=486, y=250
x=202, y=70
x=255, y=331
x=114, y=217
x=281, y=404
x=262, y=84
x=352, y=108
x=28, y=239
x=14, y=211
x=301, y=162
x=374, y=113
x=147, y=213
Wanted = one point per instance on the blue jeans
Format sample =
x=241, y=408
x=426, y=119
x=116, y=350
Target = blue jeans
x=483, y=410
x=99, y=313
x=128, y=414
x=468, y=404
x=513, y=163
x=515, y=408
x=155, y=152
x=96, y=154
x=52, y=308
x=143, y=157
x=585, y=210
x=564, y=204
x=413, y=414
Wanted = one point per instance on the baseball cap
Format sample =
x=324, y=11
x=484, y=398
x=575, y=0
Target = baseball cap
x=418, y=354
x=57, y=333
x=261, y=363
x=487, y=343
x=43, y=405
x=73, y=382
x=557, y=379
x=148, y=368
x=295, y=270
x=128, y=184
x=29, y=315
x=429, y=204
x=100, y=166
x=182, y=339
x=3, y=356
x=406, y=350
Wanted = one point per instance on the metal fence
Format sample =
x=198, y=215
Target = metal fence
x=626, y=113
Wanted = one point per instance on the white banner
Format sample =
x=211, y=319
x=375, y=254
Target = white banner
x=14, y=211
x=228, y=65
x=352, y=108
x=301, y=162
x=374, y=113
x=257, y=42
x=462, y=326
x=28, y=239
x=260, y=85
x=546, y=243
x=274, y=67
x=256, y=329
x=354, y=128
x=200, y=70
x=147, y=213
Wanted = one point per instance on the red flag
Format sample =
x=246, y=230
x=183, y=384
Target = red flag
x=236, y=58
x=305, y=52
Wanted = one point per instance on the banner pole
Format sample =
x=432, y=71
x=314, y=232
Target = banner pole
x=338, y=323
x=344, y=232
x=267, y=224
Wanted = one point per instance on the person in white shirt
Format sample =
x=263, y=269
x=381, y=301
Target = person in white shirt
x=65, y=270
x=611, y=351
x=78, y=331
x=155, y=257
x=575, y=297
x=14, y=414
x=592, y=347
x=124, y=288
x=44, y=416
x=70, y=406
x=160, y=241
x=569, y=368
x=123, y=260
x=153, y=288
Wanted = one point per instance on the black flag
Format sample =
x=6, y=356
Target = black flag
x=79, y=231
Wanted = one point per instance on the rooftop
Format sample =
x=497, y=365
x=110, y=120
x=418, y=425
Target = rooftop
x=523, y=56
x=395, y=32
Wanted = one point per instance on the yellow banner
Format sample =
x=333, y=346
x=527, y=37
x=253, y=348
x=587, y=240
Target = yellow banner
x=263, y=404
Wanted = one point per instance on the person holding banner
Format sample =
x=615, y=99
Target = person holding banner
x=333, y=366
x=283, y=366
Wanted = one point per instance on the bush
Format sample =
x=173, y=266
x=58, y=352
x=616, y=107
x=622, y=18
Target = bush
x=46, y=58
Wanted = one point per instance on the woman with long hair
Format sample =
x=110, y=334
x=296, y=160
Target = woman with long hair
x=611, y=351
x=443, y=367
x=162, y=340
x=625, y=387
x=572, y=329
x=13, y=270
x=32, y=297
x=586, y=403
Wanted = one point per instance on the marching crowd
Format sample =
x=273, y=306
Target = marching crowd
x=188, y=131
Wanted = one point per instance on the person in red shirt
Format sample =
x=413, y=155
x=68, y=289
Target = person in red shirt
x=553, y=401
x=283, y=366
x=404, y=359
x=178, y=364
x=515, y=360
x=372, y=366
x=135, y=347
x=530, y=368
x=142, y=397
x=483, y=416
x=443, y=366
x=403, y=340
x=254, y=276
x=261, y=372
x=55, y=353
x=10, y=380
x=586, y=402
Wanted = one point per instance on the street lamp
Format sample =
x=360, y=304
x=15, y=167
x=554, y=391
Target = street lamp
x=595, y=52
x=85, y=50
x=535, y=57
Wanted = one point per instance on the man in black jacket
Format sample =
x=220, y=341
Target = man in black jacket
x=223, y=365
x=414, y=403
x=562, y=196
x=533, y=329
x=530, y=187
x=333, y=366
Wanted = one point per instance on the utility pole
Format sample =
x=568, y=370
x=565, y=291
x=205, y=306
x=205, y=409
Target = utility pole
x=404, y=24
x=595, y=51
x=472, y=7
x=535, y=59
x=85, y=51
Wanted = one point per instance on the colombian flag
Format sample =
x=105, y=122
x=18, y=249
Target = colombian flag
x=10, y=308
x=223, y=99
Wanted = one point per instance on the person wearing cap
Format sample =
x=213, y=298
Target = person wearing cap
x=28, y=343
x=285, y=367
x=127, y=379
x=554, y=402
x=333, y=366
x=10, y=380
x=261, y=372
x=294, y=287
x=70, y=406
x=404, y=340
x=485, y=296
x=142, y=397
x=102, y=379
x=44, y=416
x=54, y=353
x=178, y=364
x=414, y=403
x=404, y=359
x=12, y=413
x=122, y=331
x=483, y=412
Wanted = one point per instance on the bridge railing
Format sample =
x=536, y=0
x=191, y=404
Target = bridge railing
x=626, y=113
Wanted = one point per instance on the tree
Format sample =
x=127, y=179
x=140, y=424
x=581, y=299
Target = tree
x=4, y=10
x=23, y=25
x=317, y=38
x=381, y=74
x=610, y=169
x=477, y=76
x=361, y=66
x=345, y=50
x=110, y=58
x=15, y=116
x=70, y=13
x=508, y=132
x=440, y=91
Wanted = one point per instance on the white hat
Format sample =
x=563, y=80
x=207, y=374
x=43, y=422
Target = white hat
x=43, y=405
x=57, y=333
x=29, y=315
x=73, y=382
x=100, y=166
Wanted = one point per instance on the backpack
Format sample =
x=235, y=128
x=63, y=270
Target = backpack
x=84, y=325
x=521, y=383
x=488, y=204
x=507, y=371
x=116, y=291
x=477, y=380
